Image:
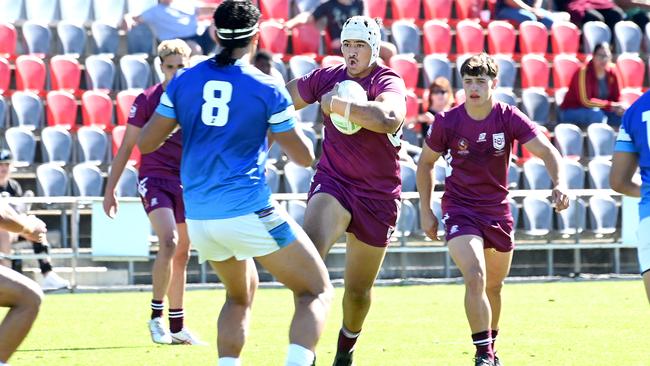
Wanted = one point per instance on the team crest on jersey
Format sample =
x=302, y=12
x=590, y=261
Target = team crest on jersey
x=499, y=140
x=133, y=110
x=463, y=145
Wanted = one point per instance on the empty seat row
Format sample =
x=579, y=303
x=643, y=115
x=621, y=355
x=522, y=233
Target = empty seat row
x=85, y=180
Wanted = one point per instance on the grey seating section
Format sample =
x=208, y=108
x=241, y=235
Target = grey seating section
x=72, y=38
x=507, y=71
x=281, y=68
x=298, y=178
x=603, y=214
x=76, y=11
x=514, y=176
x=273, y=178
x=12, y=10
x=87, y=180
x=106, y=38
x=568, y=139
x=52, y=180
x=406, y=37
x=311, y=135
x=158, y=74
x=506, y=96
x=514, y=210
x=137, y=7
x=574, y=219
x=406, y=221
x=275, y=153
x=100, y=72
x=574, y=174
x=140, y=39
x=535, y=175
x=42, y=11
x=136, y=72
x=22, y=143
x=309, y=114
x=110, y=12
x=440, y=171
x=599, y=173
x=296, y=210
x=197, y=59
x=3, y=112
x=407, y=172
x=627, y=37
x=127, y=185
x=93, y=145
x=536, y=105
x=459, y=62
x=37, y=37
x=27, y=109
x=537, y=216
x=436, y=207
x=602, y=138
x=301, y=65
x=306, y=5
x=57, y=145
x=434, y=66
x=593, y=33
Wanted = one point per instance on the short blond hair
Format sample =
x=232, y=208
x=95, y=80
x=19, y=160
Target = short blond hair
x=173, y=47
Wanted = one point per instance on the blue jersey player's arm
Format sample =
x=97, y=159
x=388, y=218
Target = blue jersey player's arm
x=161, y=125
x=625, y=162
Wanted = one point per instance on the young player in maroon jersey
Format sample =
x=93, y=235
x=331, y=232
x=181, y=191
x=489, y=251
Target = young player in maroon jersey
x=478, y=136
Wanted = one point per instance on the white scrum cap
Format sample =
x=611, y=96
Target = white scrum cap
x=363, y=28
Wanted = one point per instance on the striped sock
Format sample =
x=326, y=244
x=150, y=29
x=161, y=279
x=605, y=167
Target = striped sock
x=483, y=343
x=495, y=333
x=156, y=308
x=176, y=320
x=347, y=340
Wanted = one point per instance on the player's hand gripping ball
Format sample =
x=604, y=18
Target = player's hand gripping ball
x=348, y=90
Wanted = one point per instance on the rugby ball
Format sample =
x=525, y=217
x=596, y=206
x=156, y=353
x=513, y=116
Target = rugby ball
x=348, y=90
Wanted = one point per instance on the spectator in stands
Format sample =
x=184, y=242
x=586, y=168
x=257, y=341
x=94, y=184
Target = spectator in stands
x=637, y=11
x=263, y=60
x=17, y=292
x=594, y=92
x=331, y=15
x=522, y=10
x=582, y=11
x=172, y=19
x=11, y=188
x=441, y=98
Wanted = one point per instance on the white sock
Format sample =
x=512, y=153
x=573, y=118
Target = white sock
x=229, y=361
x=299, y=356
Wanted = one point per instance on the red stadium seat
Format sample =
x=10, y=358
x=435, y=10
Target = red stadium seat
x=437, y=9
x=501, y=38
x=62, y=109
x=273, y=37
x=8, y=38
x=331, y=60
x=305, y=39
x=469, y=37
x=376, y=8
x=534, y=71
x=629, y=96
x=565, y=38
x=564, y=67
x=436, y=36
x=533, y=37
x=118, y=136
x=5, y=75
x=30, y=73
x=469, y=9
x=275, y=9
x=631, y=70
x=407, y=67
x=412, y=106
x=123, y=102
x=97, y=108
x=65, y=74
x=406, y=9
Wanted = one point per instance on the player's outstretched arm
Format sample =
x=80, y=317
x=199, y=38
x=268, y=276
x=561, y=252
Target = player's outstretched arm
x=424, y=180
x=621, y=177
x=296, y=145
x=155, y=132
x=541, y=147
x=384, y=115
x=298, y=102
x=30, y=226
x=117, y=167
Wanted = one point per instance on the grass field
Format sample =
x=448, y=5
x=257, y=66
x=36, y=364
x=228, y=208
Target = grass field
x=561, y=324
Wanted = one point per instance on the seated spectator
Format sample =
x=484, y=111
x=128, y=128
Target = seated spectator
x=523, y=10
x=263, y=60
x=593, y=95
x=636, y=11
x=172, y=19
x=331, y=15
x=441, y=98
x=583, y=11
x=11, y=188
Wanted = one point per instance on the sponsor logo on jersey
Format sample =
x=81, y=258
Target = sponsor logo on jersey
x=481, y=137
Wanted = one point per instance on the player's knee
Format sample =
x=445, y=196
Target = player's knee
x=30, y=298
x=494, y=287
x=167, y=245
x=181, y=258
x=359, y=295
x=475, y=280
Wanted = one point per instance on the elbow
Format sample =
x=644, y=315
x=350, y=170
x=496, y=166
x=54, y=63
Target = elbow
x=392, y=124
x=616, y=183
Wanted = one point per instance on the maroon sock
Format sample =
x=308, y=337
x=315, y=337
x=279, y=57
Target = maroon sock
x=176, y=320
x=495, y=332
x=347, y=340
x=483, y=343
x=156, y=308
